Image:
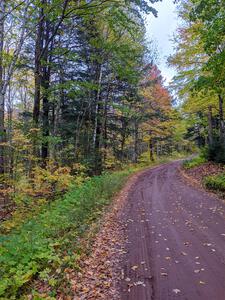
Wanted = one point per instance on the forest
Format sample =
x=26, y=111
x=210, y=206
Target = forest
x=80, y=93
x=83, y=104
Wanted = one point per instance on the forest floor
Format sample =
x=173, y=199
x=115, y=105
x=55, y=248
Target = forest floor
x=197, y=174
x=164, y=239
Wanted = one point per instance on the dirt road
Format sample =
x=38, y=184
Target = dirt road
x=175, y=240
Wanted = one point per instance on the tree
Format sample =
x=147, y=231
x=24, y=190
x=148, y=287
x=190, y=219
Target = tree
x=199, y=59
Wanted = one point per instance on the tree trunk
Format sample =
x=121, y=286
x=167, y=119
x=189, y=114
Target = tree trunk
x=97, y=103
x=2, y=96
x=221, y=120
x=45, y=83
x=158, y=149
x=37, y=68
x=151, y=149
x=45, y=118
x=210, y=128
x=105, y=122
x=135, y=156
x=124, y=135
x=98, y=126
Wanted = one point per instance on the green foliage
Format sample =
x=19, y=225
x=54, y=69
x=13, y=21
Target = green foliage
x=45, y=239
x=216, y=152
x=215, y=182
x=194, y=162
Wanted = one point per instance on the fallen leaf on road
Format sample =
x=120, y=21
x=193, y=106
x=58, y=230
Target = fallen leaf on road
x=167, y=257
x=139, y=283
x=176, y=291
x=186, y=243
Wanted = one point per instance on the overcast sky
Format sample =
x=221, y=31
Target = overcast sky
x=160, y=30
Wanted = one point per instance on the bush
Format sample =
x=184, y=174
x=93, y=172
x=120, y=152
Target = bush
x=216, y=152
x=194, y=162
x=215, y=182
x=45, y=240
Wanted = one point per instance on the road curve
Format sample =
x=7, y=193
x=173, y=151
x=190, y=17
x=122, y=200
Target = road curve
x=175, y=247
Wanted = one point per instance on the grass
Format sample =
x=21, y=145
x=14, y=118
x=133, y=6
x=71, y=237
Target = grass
x=51, y=240
x=46, y=239
x=216, y=183
x=194, y=162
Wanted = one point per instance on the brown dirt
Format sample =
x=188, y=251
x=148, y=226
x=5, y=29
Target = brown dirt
x=100, y=271
x=175, y=243
x=206, y=169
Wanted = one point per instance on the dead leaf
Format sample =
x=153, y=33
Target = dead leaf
x=134, y=268
x=176, y=291
x=139, y=283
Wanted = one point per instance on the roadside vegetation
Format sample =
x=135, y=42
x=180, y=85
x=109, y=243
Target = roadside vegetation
x=200, y=64
x=83, y=105
x=194, y=162
x=208, y=173
x=216, y=183
x=49, y=241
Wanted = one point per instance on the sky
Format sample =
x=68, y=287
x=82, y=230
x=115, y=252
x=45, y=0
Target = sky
x=160, y=30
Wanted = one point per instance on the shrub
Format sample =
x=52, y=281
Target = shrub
x=194, y=162
x=216, y=152
x=45, y=240
x=215, y=182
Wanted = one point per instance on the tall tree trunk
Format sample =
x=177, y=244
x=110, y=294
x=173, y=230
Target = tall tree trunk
x=210, y=129
x=105, y=118
x=37, y=68
x=124, y=134
x=45, y=83
x=151, y=149
x=2, y=96
x=98, y=125
x=135, y=155
x=97, y=102
x=45, y=120
x=221, y=120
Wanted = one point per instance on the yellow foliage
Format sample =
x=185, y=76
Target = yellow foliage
x=43, y=183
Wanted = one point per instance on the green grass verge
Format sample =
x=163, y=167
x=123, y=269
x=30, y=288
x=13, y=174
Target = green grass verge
x=194, y=162
x=216, y=183
x=45, y=240
x=51, y=239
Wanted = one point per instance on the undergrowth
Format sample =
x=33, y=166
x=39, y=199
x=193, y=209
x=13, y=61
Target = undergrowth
x=194, y=162
x=45, y=239
x=216, y=183
x=51, y=239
